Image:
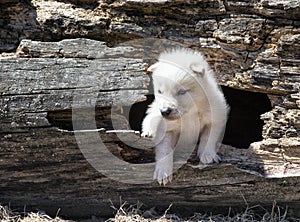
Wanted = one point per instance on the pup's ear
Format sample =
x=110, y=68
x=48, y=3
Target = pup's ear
x=196, y=68
x=152, y=67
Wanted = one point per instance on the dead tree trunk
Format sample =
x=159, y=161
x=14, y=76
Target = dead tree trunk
x=57, y=97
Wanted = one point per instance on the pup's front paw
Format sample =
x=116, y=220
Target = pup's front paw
x=208, y=157
x=147, y=134
x=163, y=175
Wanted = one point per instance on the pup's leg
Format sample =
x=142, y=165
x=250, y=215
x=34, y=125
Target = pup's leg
x=151, y=123
x=164, y=160
x=209, y=141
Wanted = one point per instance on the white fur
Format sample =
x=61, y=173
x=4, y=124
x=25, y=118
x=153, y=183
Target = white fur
x=185, y=86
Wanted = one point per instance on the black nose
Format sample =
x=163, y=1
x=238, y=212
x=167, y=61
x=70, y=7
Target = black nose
x=165, y=111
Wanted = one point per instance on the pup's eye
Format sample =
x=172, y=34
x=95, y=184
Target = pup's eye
x=159, y=91
x=181, y=92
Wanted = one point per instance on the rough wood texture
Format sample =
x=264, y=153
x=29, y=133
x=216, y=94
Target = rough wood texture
x=251, y=45
x=57, y=73
x=51, y=174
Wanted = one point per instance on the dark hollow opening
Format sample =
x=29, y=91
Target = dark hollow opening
x=244, y=125
x=137, y=113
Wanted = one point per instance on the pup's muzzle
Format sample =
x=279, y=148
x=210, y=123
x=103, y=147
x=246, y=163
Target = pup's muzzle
x=165, y=112
x=169, y=113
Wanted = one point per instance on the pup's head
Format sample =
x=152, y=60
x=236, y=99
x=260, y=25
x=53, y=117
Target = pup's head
x=176, y=78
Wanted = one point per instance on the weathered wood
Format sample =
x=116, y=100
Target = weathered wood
x=251, y=45
x=51, y=174
x=65, y=77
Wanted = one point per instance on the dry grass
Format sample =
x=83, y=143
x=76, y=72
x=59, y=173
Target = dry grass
x=135, y=214
x=6, y=215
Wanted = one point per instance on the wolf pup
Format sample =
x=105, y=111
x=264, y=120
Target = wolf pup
x=188, y=106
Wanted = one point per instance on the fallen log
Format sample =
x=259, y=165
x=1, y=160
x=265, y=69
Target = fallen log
x=47, y=163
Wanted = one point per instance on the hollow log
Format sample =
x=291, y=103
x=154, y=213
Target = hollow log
x=59, y=74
